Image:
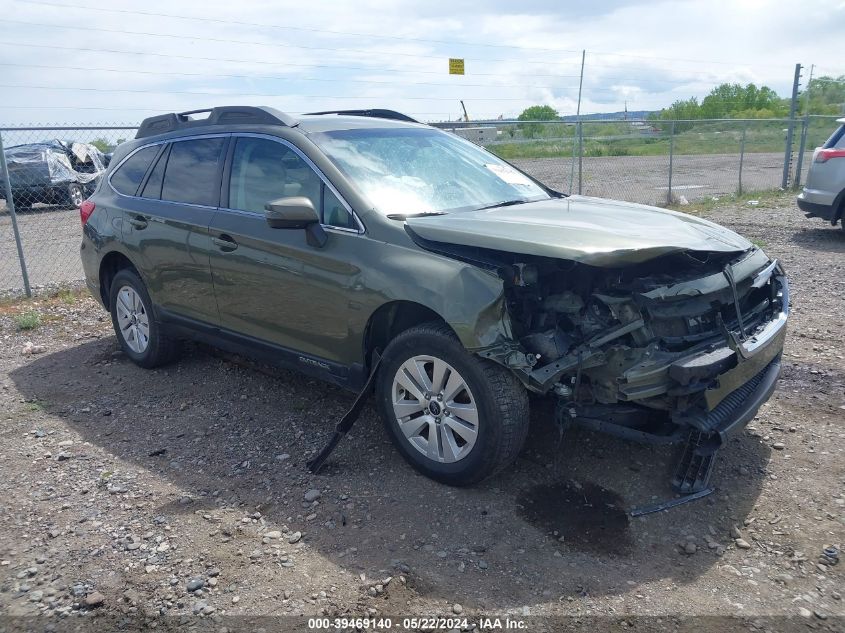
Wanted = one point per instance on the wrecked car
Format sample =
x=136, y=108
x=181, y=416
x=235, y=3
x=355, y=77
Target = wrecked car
x=53, y=172
x=384, y=255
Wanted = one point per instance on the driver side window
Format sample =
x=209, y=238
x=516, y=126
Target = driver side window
x=264, y=170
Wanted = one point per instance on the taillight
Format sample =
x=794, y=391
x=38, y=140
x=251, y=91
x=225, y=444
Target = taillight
x=825, y=155
x=85, y=211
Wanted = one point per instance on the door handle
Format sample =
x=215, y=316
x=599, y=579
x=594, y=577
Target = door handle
x=224, y=243
x=139, y=222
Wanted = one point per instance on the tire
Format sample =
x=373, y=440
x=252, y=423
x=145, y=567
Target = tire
x=139, y=334
x=469, y=447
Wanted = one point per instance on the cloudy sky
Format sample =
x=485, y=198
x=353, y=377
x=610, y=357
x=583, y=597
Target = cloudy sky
x=116, y=62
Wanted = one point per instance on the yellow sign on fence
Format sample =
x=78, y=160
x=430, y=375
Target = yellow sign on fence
x=456, y=66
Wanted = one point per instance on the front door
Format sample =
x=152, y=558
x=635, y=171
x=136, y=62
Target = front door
x=270, y=284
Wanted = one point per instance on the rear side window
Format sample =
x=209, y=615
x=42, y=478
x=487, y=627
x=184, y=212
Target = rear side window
x=153, y=187
x=192, y=172
x=836, y=140
x=130, y=174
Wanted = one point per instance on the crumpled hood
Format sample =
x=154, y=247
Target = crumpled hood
x=593, y=231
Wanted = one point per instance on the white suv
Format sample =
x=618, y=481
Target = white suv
x=824, y=193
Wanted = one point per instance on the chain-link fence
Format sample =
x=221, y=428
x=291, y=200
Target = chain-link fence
x=654, y=162
x=48, y=172
x=52, y=169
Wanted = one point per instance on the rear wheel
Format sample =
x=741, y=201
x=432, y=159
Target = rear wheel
x=138, y=333
x=75, y=194
x=454, y=417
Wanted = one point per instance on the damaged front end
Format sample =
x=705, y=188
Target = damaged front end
x=682, y=348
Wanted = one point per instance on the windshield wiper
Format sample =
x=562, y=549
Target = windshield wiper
x=405, y=216
x=503, y=203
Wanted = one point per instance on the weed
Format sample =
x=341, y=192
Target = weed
x=67, y=296
x=28, y=320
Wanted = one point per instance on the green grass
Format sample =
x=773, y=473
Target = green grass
x=67, y=296
x=28, y=320
x=621, y=139
x=765, y=199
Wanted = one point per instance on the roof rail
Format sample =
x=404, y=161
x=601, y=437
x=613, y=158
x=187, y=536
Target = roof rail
x=377, y=113
x=216, y=116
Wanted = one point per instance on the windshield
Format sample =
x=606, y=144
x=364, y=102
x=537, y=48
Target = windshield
x=412, y=171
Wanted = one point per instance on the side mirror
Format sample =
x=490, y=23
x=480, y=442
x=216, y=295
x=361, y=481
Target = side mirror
x=291, y=213
x=296, y=213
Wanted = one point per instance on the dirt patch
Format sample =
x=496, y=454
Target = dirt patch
x=583, y=516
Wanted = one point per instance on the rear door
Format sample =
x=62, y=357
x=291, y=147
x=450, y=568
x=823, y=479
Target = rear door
x=271, y=285
x=165, y=224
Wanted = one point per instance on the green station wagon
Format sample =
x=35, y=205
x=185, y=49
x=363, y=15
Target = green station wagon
x=376, y=252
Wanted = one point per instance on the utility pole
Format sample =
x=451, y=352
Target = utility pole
x=802, y=146
x=790, y=130
x=580, y=133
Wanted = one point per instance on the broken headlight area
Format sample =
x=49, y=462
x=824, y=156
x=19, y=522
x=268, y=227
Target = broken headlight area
x=685, y=347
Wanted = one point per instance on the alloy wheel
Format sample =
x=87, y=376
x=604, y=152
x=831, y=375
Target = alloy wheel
x=435, y=409
x=133, y=319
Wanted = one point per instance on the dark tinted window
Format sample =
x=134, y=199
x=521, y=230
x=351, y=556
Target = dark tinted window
x=191, y=174
x=837, y=139
x=264, y=170
x=334, y=213
x=129, y=175
x=153, y=187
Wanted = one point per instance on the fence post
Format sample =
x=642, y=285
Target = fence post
x=671, y=157
x=790, y=130
x=10, y=205
x=802, y=146
x=741, y=157
x=580, y=156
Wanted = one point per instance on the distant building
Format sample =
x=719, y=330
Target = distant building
x=480, y=135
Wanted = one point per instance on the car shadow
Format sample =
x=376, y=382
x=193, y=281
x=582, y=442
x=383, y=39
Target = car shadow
x=554, y=526
x=828, y=239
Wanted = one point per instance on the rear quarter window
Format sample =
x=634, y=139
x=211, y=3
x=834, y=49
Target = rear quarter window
x=837, y=139
x=130, y=174
x=192, y=174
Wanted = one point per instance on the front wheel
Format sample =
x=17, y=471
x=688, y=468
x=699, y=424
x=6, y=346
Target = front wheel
x=138, y=333
x=455, y=417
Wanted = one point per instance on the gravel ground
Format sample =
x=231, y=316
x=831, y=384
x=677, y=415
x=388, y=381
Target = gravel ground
x=645, y=179
x=181, y=491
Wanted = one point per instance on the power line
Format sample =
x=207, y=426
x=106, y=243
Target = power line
x=326, y=67
x=282, y=77
x=246, y=94
x=295, y=28
x=269, y=44
x=460, y=85
x=330, y=49
x=254, y=61
x=371, y=35
x=162, y=109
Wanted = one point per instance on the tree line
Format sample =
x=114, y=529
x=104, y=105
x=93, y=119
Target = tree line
x=824, y=95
